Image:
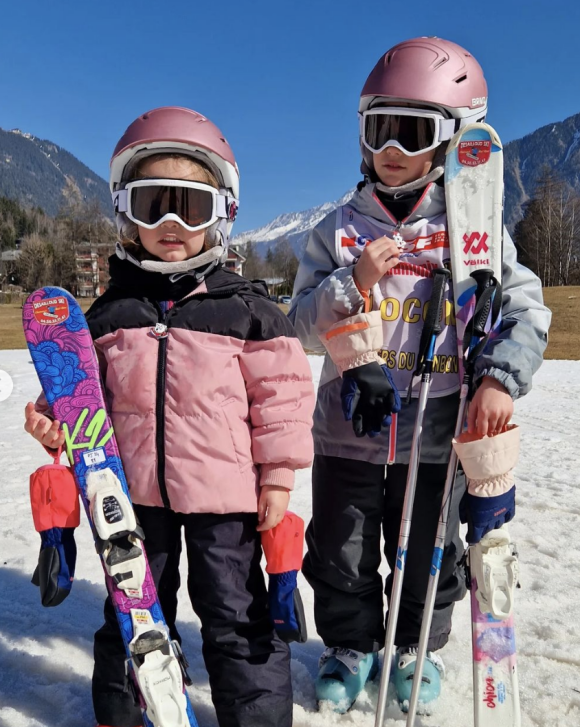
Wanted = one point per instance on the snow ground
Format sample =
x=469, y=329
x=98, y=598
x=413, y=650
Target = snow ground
x=46, y=654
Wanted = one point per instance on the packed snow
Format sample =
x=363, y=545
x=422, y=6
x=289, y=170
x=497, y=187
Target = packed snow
x=46, y=654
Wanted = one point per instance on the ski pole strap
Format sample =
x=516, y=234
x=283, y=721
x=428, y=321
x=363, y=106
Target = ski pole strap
x=485, y=315
x=433, y=321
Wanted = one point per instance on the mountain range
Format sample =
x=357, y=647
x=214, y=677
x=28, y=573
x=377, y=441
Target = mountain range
x=38, y=173
x=555, y=145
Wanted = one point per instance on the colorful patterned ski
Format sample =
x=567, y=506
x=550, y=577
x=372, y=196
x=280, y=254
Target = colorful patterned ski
x=66, y=363
x=474, y=197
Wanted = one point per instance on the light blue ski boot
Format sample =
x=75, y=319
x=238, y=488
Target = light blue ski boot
x=342, y=676
x=404, y=671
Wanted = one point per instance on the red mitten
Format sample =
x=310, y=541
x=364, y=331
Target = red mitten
x=56, y=512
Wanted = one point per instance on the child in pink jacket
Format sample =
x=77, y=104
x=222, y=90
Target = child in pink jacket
x=211, y=399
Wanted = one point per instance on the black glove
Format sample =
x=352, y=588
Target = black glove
x=369, y=397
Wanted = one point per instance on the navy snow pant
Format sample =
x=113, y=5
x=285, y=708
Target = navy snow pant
x=248, y=665
x=352, y=500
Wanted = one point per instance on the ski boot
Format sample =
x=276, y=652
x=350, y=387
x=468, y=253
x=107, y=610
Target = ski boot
x=404, y=672
x=342, y=676
x=118, y=534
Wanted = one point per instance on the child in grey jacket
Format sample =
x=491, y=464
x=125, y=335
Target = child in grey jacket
x=362, y=287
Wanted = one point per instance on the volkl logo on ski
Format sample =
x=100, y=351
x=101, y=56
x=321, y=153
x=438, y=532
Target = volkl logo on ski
x=475, y=243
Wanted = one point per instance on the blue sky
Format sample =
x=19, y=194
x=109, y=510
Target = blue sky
x=281, y=79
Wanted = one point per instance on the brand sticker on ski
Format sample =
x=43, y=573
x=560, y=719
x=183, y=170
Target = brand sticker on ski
x=140, y=616
x=95, y=456
x=52, y=311
x=475, y=243
x=474, y=153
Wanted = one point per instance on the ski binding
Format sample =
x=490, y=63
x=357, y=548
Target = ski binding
x=494, y=564
x=160, y=670
x=118, y=534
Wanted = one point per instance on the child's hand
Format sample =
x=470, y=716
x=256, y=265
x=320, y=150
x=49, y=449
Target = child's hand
x=47, y=432
x=491, y=409
x=272, y=506
x=378, y=257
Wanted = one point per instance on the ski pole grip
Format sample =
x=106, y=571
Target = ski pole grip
x=440, y=278
x=484, y=297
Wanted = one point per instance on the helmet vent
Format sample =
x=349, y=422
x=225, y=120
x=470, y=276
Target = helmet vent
x=460, y=79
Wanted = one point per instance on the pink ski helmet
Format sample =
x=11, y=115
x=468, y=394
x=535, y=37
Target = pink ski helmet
x=427, y=72
x=431, y=72
x=176, y=129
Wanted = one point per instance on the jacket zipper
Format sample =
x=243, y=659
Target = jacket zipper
x=160, y=333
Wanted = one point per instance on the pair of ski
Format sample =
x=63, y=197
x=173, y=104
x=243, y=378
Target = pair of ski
x=474, y=197
x=65, y=360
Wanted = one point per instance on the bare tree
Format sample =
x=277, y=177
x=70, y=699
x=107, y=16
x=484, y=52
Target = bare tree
x=34, y=267
x=254, y=268
x=548, y=236
x=285, y=263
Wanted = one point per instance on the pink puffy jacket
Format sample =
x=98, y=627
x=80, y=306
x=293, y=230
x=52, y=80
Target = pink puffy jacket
x=208, y=387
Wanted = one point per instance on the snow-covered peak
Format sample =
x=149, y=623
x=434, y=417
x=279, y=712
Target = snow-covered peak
x=25, y=134
x=293, y=225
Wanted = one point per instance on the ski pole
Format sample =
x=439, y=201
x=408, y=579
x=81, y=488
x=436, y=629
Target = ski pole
x=485, y=295
x=431, y=330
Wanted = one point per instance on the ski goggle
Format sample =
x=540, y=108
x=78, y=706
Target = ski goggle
x=413, y=131
x=194, y=205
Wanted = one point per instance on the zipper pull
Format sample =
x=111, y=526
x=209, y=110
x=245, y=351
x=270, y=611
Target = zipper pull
x=158, y=331
x=397, y=237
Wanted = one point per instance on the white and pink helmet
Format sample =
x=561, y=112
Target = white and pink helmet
x=428, y=72
x=174, y=129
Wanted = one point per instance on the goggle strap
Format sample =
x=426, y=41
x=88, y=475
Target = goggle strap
x=446, y=129
x=120, y=200
x=221, y=206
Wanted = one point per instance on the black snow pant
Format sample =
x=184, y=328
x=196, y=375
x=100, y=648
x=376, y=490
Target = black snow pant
x=351, y=501
x=248, y=665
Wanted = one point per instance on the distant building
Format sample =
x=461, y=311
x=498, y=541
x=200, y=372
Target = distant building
x=10, y=256
x=8, y=267
x=87, y=269
x=235, y=260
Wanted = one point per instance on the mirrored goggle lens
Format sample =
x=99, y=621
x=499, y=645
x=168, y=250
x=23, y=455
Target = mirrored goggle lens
x=413, y=133
x=193, y=206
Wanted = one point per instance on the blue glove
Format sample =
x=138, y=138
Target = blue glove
x=286, y=609
x=56, y=565
x=483, y=514
x=369, y=397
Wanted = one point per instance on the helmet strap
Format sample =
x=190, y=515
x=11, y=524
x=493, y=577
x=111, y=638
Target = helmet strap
x=199, y=266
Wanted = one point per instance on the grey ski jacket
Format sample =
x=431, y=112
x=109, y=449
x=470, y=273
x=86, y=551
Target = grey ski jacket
x=325, y=293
